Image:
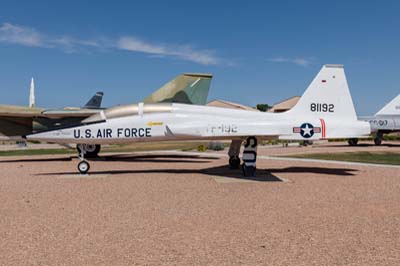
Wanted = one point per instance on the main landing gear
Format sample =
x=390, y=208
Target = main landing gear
x=353, y=142
x=234, y=150
x=249, y=156
x=378, y=138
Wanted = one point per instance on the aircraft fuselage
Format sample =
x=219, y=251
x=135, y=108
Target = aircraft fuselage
x=190, y=122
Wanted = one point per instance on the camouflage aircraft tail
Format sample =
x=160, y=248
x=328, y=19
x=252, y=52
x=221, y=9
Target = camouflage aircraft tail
x=95, y=101
x=186, y=88
x=392, y=108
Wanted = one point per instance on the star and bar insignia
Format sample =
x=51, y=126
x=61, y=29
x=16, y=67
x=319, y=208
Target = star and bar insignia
x=307, y=130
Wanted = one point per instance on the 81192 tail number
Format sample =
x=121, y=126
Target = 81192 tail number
x=322, y=107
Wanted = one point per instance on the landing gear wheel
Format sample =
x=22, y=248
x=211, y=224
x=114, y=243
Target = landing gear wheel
x=248, y=171
x=377, y=141
x=91, y=150
x=83, y=167
x=353, y=142
x=234, y=162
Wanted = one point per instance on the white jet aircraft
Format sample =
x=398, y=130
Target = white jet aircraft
x=386, y=121
x=325, y=111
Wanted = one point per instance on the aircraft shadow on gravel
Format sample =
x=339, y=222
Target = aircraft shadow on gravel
x=60, y=159
x=263, y=175
x=157, y=158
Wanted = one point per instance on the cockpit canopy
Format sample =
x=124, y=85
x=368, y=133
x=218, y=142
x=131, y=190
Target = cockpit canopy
x=129, y=110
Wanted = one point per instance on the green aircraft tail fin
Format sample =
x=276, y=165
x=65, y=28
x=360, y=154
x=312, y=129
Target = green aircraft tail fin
x=186, y=88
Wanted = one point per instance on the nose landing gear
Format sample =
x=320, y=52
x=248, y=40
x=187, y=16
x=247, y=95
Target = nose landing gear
x=91, y=150
x=83, y=165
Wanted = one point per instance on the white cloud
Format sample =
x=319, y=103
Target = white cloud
x=186, y=52
x=300, y=61
x=20, y=35
x=25, y=36
x=136, y=45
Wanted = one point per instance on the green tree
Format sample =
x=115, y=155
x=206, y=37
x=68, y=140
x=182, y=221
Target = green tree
x=263, y=107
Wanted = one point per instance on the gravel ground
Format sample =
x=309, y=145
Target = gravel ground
x=328, y=147
x=171, y=209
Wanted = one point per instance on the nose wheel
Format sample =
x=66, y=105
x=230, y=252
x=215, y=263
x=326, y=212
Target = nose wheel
x=83, y=167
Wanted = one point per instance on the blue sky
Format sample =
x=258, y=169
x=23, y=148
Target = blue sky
x=258, y=51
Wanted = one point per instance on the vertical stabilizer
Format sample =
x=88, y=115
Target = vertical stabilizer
x=328, y=95
x=95, y=101
x=392, y=108
x=186, y=88
x=32, y=94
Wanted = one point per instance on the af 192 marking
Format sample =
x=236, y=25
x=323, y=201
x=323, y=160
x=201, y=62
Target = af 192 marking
x=322, y=107
x=223, y=128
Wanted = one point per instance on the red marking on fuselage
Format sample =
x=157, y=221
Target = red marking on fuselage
x=323, y=128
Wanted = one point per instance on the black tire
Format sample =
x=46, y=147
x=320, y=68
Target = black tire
x=353, y=142
x=248, y=171
x=234, y=162
x=83, y=167
x=377, y=141
x=91, y=150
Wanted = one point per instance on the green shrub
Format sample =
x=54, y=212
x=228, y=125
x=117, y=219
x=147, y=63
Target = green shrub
x=216, y=146
x=201, y=148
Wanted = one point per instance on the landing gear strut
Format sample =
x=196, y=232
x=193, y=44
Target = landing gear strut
x=250, y=157
x=234, y=150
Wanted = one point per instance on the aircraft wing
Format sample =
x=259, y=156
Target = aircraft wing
x=19, y=111
x=26, y=112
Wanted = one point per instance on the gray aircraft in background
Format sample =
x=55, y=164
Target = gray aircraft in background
x=386, y=121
